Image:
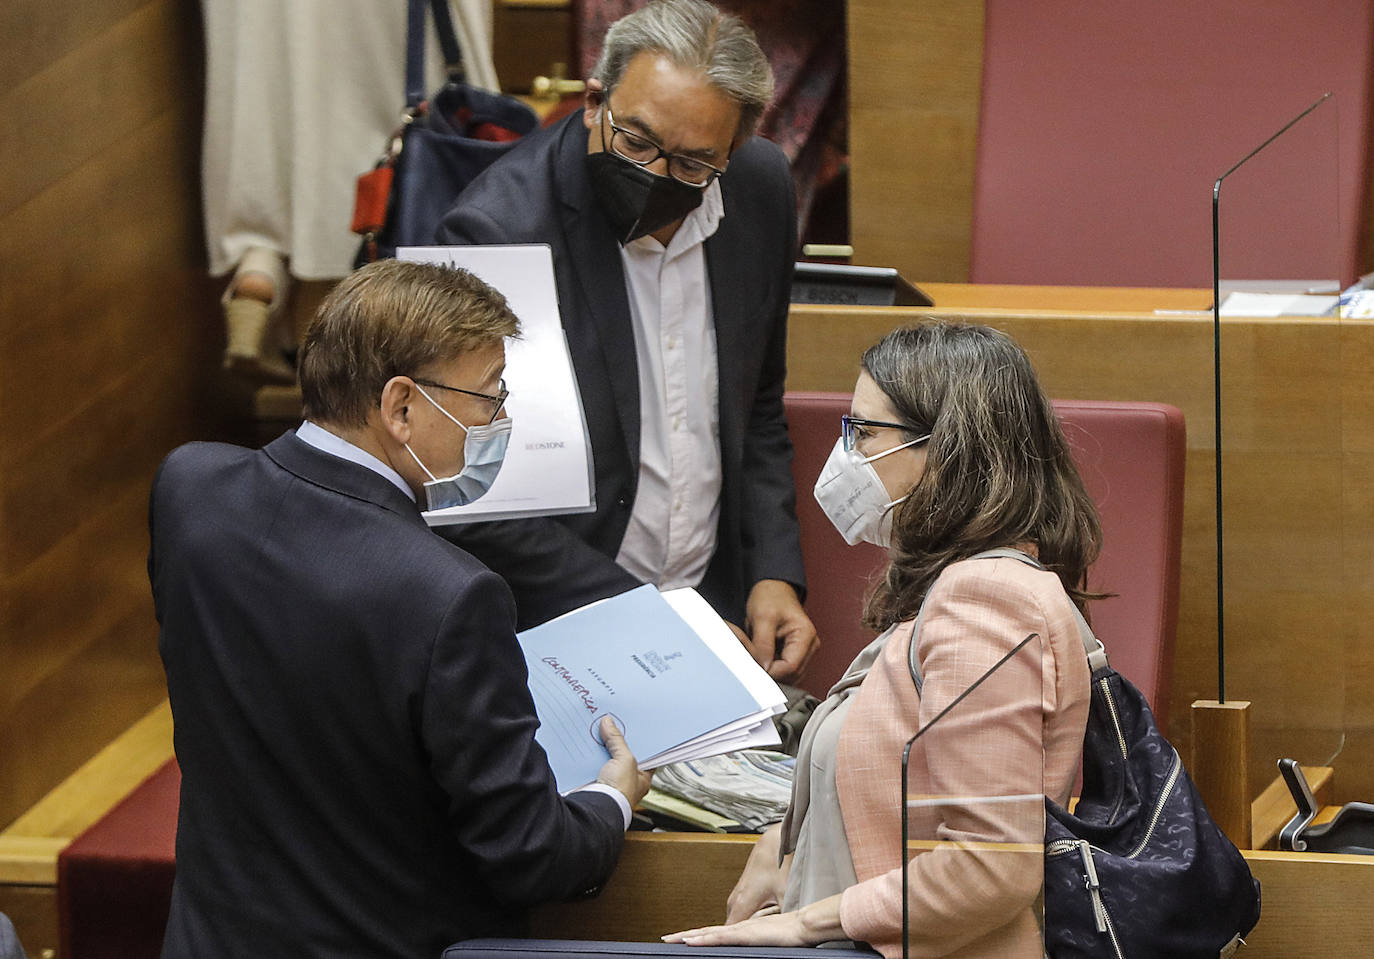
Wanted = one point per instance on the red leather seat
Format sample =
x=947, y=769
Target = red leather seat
x=1131, y=457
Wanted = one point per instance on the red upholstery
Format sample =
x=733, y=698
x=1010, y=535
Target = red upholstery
x=838, y=576
x=1131, y=456
x=114, y=882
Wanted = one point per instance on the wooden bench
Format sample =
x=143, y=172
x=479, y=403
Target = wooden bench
x=664, y=881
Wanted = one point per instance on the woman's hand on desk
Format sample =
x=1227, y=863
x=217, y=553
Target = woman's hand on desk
x=816, y=923
x=763, y=881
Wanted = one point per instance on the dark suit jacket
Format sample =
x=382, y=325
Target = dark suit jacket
x=352, y=720
x=540, y=193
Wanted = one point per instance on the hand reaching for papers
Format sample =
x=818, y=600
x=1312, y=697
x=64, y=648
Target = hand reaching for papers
x=621, y=771
x=781, y=637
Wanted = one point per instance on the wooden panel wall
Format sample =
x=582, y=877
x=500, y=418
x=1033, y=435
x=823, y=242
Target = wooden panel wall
x=108, y=333
x=915, y=76
x=1299, y=488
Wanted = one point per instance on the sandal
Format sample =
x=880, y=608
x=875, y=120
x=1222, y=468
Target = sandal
x=252, y=325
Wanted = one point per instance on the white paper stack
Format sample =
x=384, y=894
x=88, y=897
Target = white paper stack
x=1242, y=303
x=664, y=666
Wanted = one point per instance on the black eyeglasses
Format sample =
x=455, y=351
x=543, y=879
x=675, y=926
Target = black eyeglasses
x=641, y=151
x=854, y=428
x=497, y=401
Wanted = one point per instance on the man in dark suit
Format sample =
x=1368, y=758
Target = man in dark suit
x=673, y=232
x=355, y=734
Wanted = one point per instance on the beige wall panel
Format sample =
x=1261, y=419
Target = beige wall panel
x=37, y=32
x=1357, y=388
x=116, y=276
x=106, y=343
x=65, y=601
x=110, y=445
x=1356, y=780
x=914, y=66
x=77, y=709
x=95, y=96
x=79, y=610
x=80, y=645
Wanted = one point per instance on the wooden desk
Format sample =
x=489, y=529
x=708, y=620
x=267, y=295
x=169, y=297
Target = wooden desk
x=664, y=882
x=1299, y=461
x=1314, y=906
x=1073, y=299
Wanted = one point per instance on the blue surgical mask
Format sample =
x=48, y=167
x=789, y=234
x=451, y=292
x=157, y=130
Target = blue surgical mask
x=484, y=450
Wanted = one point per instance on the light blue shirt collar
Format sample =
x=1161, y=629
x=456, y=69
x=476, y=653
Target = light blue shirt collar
x=335, y=445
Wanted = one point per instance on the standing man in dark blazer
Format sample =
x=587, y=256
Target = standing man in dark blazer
x=673, y=232
x=352, y=720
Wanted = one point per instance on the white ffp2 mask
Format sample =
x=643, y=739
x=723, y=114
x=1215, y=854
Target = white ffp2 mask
x=852, y=495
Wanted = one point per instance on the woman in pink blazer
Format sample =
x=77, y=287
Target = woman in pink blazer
x=951, y=450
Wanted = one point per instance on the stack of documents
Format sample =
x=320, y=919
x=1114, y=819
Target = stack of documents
x=1357, y=305
x=1242, y=303
x=663, y=665
x=751, y=787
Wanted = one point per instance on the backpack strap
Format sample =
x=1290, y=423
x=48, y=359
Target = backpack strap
x=1092, y=646
x=415, y=52
x=448, y=39
x=416, y=11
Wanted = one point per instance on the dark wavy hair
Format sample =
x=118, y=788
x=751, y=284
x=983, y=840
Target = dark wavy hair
x=998, y=471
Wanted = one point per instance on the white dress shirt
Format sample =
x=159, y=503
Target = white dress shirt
x=672, y=529
x=327, y=442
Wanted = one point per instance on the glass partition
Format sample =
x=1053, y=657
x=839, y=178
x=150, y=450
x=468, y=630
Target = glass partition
x=1279, y=216
x=1281, y=479
x=973, y=823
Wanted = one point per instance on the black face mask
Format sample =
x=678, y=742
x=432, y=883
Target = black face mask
x=636, y=201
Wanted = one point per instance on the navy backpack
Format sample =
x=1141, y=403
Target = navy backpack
x=443, y=143
x=1138, y=870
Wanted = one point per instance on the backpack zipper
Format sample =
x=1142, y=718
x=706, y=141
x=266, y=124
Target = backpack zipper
x=1059, y=847
x=1120, y=742
x=1101, y=917
x=1116, y=720
x=1159, y=806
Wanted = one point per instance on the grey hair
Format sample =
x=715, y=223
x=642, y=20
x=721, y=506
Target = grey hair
x=693, y=34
